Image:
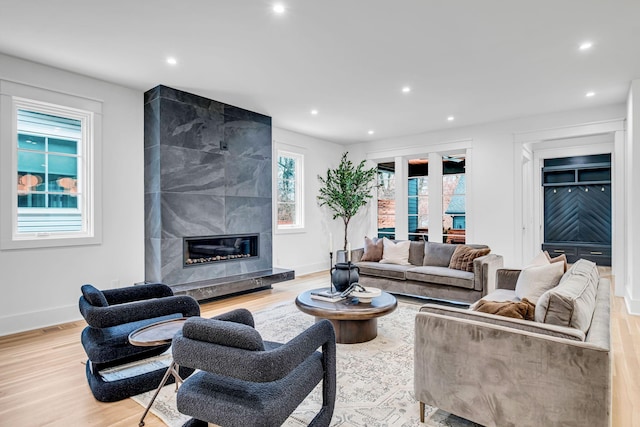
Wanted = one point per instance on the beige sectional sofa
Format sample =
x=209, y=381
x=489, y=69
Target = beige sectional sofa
x=428, y=274
x=499, y=371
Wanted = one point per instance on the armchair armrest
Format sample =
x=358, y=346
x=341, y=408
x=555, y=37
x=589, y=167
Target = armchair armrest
x=113, y=315
x=240, y=315
x=257, y=366
x=137, y=293
x=507, y=278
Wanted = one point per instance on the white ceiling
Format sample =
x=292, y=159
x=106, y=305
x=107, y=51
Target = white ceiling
x=478, y=60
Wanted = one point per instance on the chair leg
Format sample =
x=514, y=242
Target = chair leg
x=422, y=412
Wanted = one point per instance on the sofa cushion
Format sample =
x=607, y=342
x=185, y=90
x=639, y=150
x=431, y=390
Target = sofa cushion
x=463, y=256
x=395, y=252
x=438, y=254
x=389, y=271
x=535, y=280
x=372, y=249
x=572, y=302
x=441, y=276
x=416, y=252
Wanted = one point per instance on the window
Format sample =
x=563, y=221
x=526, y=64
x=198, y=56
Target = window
x=290, y=185
x=453, y=199
x=418, y=199
x=48, y=162
x=50, y=201
x=386, y=200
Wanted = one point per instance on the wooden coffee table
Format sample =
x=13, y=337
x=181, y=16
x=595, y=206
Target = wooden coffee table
x=353, y=323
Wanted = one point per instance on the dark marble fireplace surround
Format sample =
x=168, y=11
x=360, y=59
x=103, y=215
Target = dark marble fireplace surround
x=207, y=172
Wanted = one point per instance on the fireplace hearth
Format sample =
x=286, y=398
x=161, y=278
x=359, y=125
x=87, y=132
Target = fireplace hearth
x=213, y=249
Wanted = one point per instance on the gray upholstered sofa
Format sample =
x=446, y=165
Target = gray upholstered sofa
x=429, y=275
x=498, y=371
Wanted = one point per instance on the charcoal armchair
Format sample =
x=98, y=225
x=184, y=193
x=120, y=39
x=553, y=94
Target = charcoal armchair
x=111, y=316
x=245, y=381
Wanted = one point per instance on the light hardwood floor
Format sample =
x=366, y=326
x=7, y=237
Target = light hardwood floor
x=42, y=380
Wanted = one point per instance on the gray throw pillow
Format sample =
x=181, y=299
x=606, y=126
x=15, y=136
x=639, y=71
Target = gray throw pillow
x=437, y=254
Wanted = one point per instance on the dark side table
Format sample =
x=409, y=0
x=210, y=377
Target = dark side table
x=157, y=334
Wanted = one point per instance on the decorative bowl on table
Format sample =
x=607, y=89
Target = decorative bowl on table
x=367, y=295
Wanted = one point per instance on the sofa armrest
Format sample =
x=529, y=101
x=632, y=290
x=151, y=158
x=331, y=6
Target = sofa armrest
x=356, y=254
x=507, y=278
x=484, y=272
x=497, y=375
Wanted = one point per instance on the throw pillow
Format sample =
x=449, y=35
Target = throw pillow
x=541, y=259
x=560, y=258
x=395, y=253
x=373, y=249
x=438, y=254
x=573, y=301
x=463, y=256
x=535, y=280
x=524, y=309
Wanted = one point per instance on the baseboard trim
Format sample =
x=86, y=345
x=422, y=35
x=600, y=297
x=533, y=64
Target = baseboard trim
x=23, y=322
x=633, y=305
x=310, y=268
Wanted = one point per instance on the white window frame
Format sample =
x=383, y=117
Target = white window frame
x=298, y=224
x=15, y=96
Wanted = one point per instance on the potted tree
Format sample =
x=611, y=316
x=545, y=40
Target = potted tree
x=346, y=189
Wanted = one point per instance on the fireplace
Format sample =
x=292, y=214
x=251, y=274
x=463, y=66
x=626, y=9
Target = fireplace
x=203, y=250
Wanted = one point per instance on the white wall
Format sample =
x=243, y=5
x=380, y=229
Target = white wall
x=307, y=250
x=41, y=287
x=632, y=152
x=492, y=179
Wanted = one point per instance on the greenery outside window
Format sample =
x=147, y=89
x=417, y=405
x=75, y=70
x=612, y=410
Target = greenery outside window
x=290, y=214
x=48, y=171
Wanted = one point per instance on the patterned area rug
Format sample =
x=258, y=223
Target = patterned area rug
x=375, y=379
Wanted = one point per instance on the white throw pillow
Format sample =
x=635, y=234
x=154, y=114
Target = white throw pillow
x=395, y=253
x=535, y=280
x=540, y=259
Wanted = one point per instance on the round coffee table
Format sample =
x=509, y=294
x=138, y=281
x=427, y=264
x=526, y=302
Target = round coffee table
x=353, y=323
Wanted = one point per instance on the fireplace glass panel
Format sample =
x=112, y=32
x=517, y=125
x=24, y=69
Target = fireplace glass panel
x=211, y=249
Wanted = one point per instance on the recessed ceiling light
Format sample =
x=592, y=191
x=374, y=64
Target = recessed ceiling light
x=279, y=8
x=586, y=46
x=172, y=61
x=406, y=89
x=590, y=94
x=314, y=112
x=371, y=132
x=450, y=118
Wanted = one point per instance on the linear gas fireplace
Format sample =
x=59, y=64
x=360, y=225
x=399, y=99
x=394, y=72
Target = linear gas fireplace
x=214, y=249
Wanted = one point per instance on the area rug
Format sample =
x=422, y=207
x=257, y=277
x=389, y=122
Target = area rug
x=374, y=379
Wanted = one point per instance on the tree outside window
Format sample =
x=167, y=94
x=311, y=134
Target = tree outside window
x=289, y=198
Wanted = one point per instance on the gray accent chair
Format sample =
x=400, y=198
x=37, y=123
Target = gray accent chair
x=499, y=371
x=245, y=381
x=112, y=315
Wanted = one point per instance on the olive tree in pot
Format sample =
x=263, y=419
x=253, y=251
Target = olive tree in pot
x=346, y=189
